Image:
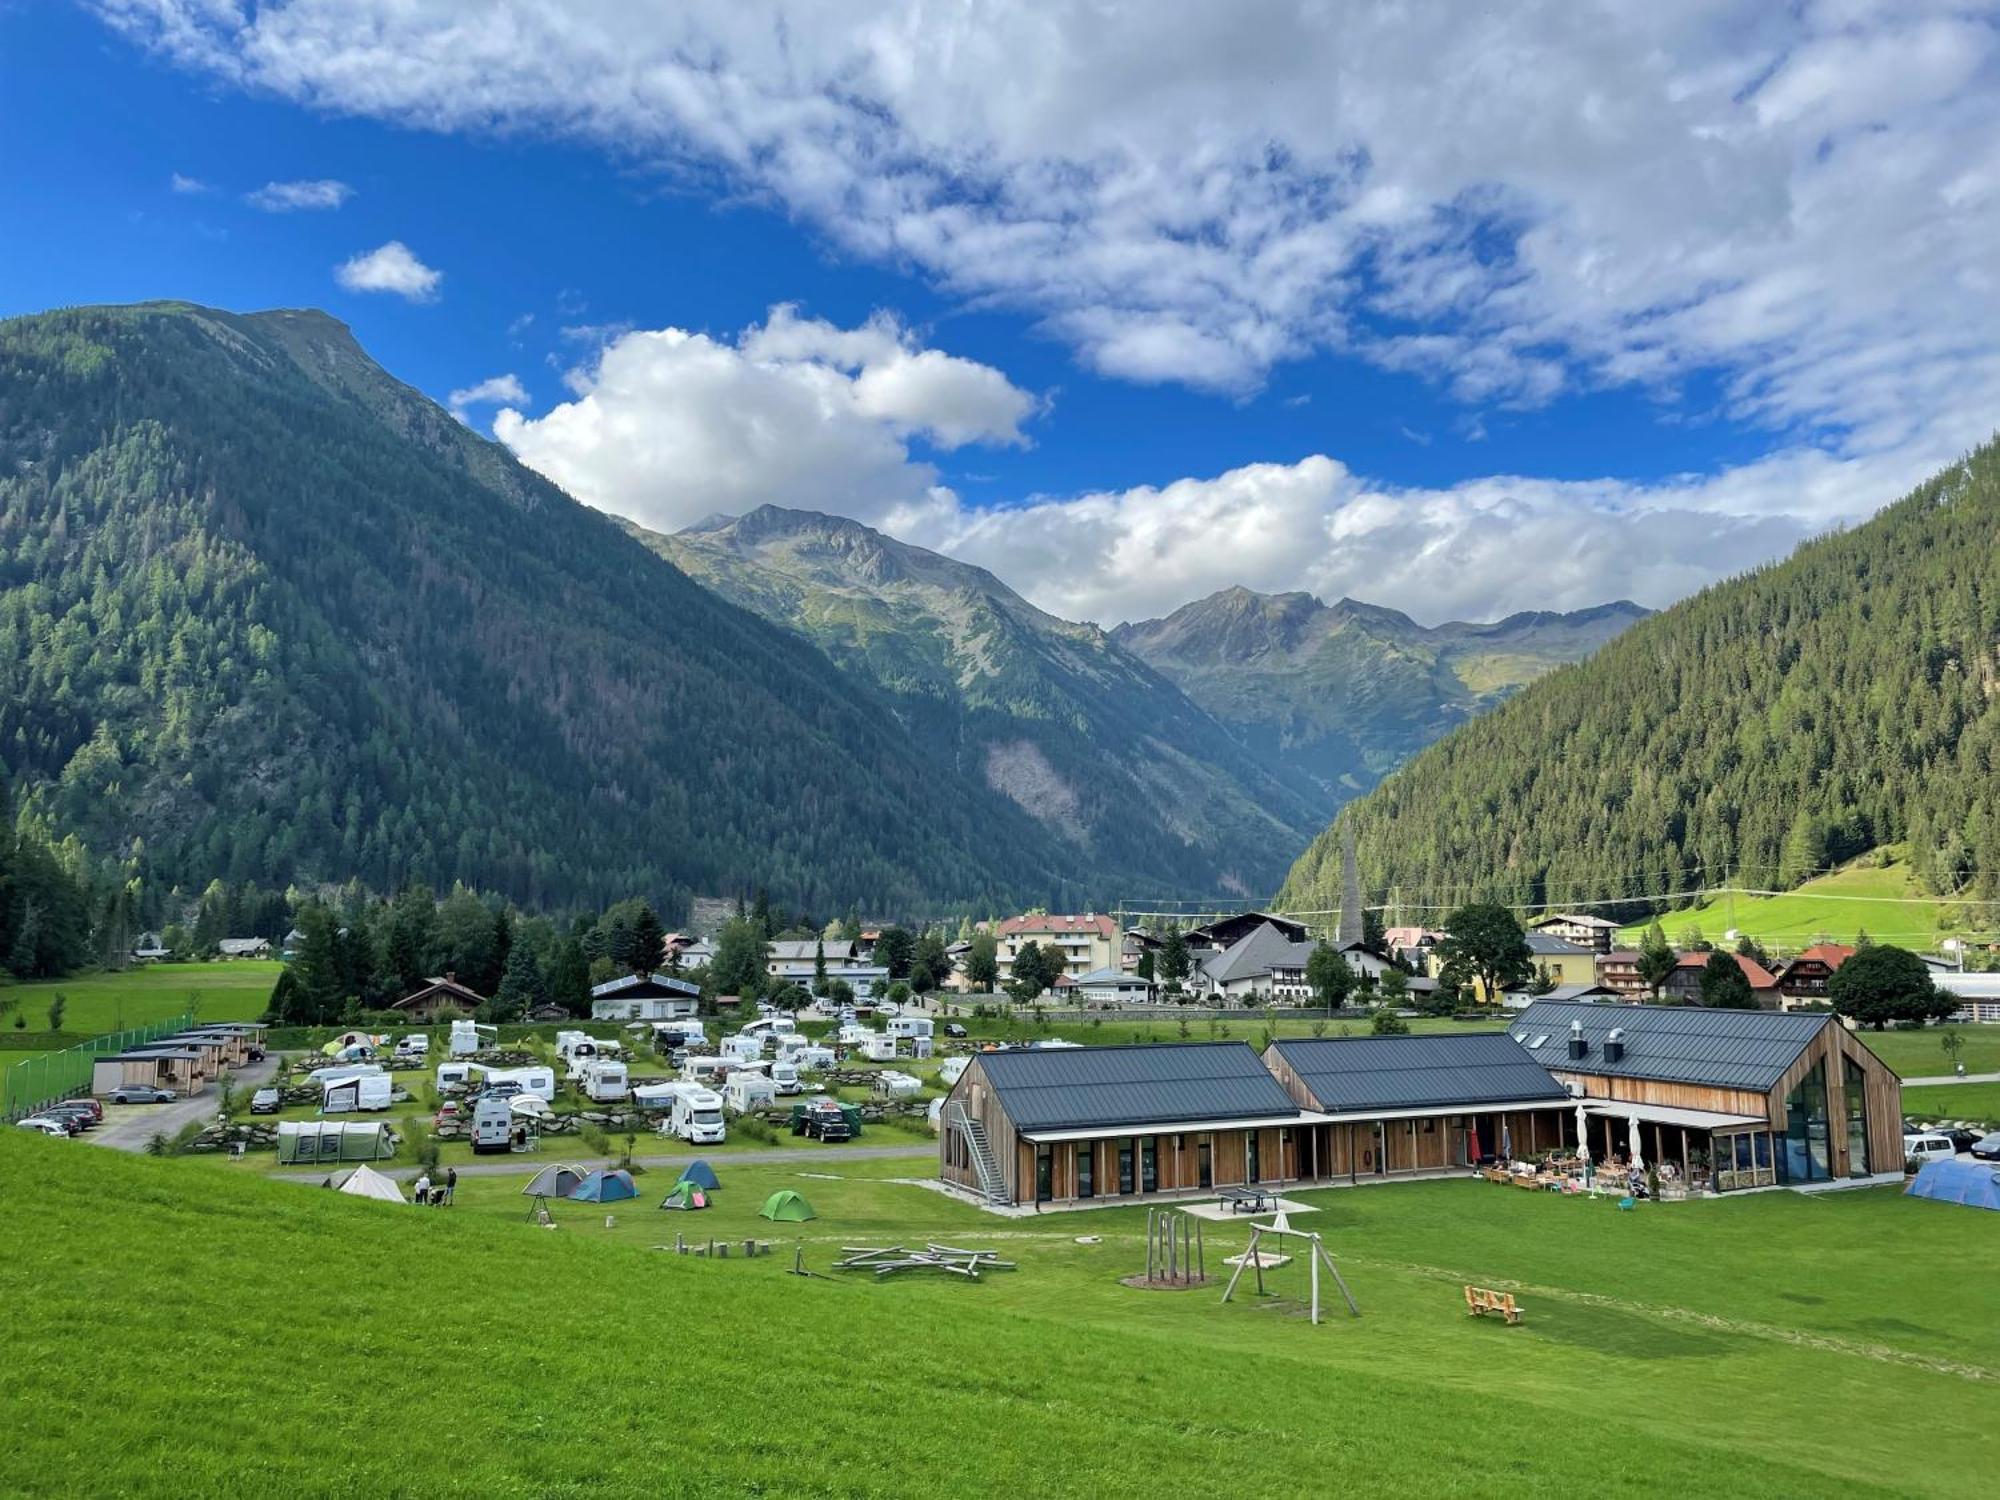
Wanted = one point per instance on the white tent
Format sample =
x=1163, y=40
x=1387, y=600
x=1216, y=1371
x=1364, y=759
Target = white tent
x=366, y=1182
x=529, y=1105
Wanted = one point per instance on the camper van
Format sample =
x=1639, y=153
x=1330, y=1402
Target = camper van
x=911, y=1026
x=368, y=1091
x=879, y=1048
x=604, y=1080
x=785, y=1078
x=492, y=1126
x=468, y=1037
x=539, y=1081
x=746, y=1091
x=697, y=1116
x=456, y=1077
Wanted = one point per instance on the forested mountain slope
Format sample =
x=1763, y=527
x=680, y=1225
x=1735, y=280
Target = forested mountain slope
x=1108, y=754
x=1345, y=692
x=1765, y=728
x=268, y=614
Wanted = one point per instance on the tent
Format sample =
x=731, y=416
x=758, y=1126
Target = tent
x=529, y=1106
x=686, y=1195
x=787, y=1207
x=554, y=1182
x=1973, y=1183
x=701, y=1174
x=366, y=1182
x=605, y=1187
x=307, y=1141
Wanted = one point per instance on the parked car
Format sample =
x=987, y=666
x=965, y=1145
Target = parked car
x=69, y=1123
x=140, y=1093
x=45, y=1125
x=1930, y=1146
x=953, y=1029
x=450, y=1110
x=1961, y=1138
x=1986, y=1148
x=266, y=1102
x=96, y=1109
x=822, y=1120
x=77, y=1114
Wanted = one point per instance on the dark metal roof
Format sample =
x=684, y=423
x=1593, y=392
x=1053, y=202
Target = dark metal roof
x=1350, y=1074
x=1549, y=944
x=1071, y=1088
x=1730, y=1049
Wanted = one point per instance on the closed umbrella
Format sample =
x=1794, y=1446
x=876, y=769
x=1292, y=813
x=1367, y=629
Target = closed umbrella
x=1583, y=1147
x=1506, y=1142
x=1638, y=1160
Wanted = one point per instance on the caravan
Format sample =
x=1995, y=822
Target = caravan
x=369, y=1091
x=747, y=1090
x=468, y=1037
x=744, y=1047
x=604, y=1080
x=894, y=1085
x=709, y=1071
x=340, y=1071
x=911, y=1026
x=879, y=1048
x=813, y=1059
x=539, y=1081
x=852, y=1034
x=456, y=1077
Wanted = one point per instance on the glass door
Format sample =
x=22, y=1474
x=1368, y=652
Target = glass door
x=1857, y=1118
x=1206, y=1166
x=1045, y=1174
x=1086, y=1170
x=1124, y=1166
x=1250, y=1162
x=1149, y=1164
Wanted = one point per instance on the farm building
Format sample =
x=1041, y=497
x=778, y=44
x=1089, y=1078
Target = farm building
x=1758, y=1098
x=1059, y=1125
x=1392, y=1105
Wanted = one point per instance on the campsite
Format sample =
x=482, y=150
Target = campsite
x=1714, y=1341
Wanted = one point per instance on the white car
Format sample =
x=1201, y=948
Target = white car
x=1927, y=1147
x=45, y=1125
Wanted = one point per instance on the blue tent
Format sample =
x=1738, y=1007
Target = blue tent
x=701, y=1174
x=605, y=1187
x=1973, y=1183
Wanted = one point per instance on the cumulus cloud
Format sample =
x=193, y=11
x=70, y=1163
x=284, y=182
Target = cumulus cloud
x=668, y=426
x=495, y=390
x=180, y=182
x=292, y=197
x=389, y=268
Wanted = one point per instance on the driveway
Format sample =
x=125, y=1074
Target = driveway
x=1925, y=1083
x=127, y=1127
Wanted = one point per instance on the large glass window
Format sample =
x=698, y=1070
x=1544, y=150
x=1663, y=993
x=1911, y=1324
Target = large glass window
x=1086, y=1170
x=1807, y=1155
x=1124, y=1166
x=1857, y=1118
x=1206, y=1165
x=1045, y=1174
x=1149, y=1164
x=1250, y=1156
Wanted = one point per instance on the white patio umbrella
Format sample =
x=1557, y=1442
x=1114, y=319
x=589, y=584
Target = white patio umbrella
x=531, y=1105
x=1638, y=1161
x=1583, y=1135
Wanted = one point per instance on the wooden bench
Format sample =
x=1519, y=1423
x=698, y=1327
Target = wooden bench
x=1480, y=1301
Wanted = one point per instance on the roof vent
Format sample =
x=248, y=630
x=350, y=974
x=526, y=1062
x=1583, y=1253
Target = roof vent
x=1614, y=1044
x=1576, y=1046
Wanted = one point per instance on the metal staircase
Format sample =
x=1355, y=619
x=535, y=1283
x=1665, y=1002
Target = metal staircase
x=991, y=1182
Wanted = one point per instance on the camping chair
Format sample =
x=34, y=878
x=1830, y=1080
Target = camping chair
x=1625, y=1205
x=236, y=1151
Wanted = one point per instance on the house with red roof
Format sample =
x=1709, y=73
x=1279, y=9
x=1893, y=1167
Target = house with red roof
x=1087, y=943
x=1683, y=986
x=1803, y=980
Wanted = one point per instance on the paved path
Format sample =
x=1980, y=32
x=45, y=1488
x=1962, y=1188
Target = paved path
x=127, y=1127
x=1924, y=1083
x=551, y=1154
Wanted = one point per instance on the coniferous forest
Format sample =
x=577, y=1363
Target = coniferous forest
x=1759, y=732
x=269, y=617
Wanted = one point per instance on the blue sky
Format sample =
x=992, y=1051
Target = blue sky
x=1122, y=347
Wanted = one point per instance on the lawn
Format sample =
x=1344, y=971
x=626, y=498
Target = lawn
x=1772, y=1345
x=1954, y=1101
x=1920, y=1053
x=1881, y=899
x=98, y=1003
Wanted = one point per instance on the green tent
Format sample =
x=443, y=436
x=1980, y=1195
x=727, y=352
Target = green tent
x=686, y=1195
x=787, y=1207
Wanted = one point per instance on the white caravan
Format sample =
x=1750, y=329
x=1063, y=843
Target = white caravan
x=912, y=1026
x=898, y=1085
x=604, y=1080
x=539, y=1081
x=746, y=1091
x=744, y=1047
x=878, y=1048
x=363, y=1091
x=468, y=1037
x=456, y=1077
x=813, y=1059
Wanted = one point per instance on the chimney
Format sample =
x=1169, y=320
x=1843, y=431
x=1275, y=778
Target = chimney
x=1576, y=1047
x=1614, y=1044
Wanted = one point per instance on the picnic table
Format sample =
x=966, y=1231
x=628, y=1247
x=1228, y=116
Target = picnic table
x=1247, y=1200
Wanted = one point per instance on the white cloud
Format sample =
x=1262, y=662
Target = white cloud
x=180, y=182
x=495, y=390
x=389, y=268
x=668, y=426
x=291, y=197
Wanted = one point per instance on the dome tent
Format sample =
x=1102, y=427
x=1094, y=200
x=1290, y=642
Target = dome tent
x=605, y=1187
x=701, y=1174
x=554, y=1182
x=688, y=1195
x=788, y=1207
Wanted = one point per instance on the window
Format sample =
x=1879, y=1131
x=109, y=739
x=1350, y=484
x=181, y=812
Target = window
x=1086, y=1170
x=1124, y=1166
x=1807, y=1136
x=1044, y=1174
x=1149, y=1164
x=1856, y=1091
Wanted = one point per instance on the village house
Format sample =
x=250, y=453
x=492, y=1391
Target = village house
x=1227, y=932
x=1618, y=971
x=1734, y=1098
x=1978, y=995
x=1110, y=987
x=794, y=959
x=1684, y=983
x=253, y=947
x=1087, y=943
x=1264, y=963
x=1802, y=981
x=1564, y=961
x=437, y=995
x=644, y=997
x=1595, y=933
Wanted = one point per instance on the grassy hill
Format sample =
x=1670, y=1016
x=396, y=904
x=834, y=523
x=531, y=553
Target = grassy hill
x=239, y=990
x=1882, y=898
x=1770, y=1346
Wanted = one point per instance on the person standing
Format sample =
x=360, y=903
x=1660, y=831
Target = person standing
x=422, y=1187
x=450, y=1185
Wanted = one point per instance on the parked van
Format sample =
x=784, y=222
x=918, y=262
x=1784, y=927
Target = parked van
x=697, y=1116
x=746, y=1091
x=492, y=1126
x=785, y=1078
x=604, y=1080
x=1928, y=1147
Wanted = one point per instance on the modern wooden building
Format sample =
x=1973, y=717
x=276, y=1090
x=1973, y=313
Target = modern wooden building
x=1068, y=1124
x=1736, y=1098
x=1395, y=1105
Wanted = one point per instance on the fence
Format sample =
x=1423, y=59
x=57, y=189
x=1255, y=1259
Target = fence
x=36, y=1081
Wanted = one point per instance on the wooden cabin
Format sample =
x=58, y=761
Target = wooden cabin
x=437, y=995
x=162, y=1067
x=1395, y=1105
x=1068, y=1124
x=1737, y=1098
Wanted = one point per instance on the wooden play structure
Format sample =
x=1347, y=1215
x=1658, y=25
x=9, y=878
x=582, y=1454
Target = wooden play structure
x=1174, y=1251
x=1316, y=1255
x=886, y=1260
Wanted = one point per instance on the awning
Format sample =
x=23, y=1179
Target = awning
x=1667, y=1114
x=1429, y=1111
x=1174, y=1127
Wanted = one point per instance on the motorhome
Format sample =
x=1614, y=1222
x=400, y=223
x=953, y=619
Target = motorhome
x=697, y=1116
x=879, y=1048
x=416, y=1046
x=811, y=1059
x=468, y=1037
x=492, y=1126
x=785, y=1078
x=744, y=1047
x=604, y=1080
x=536, y=1080
x=369, y=1091
x=746, y=1091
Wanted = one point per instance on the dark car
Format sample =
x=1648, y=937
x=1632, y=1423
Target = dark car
x=140, y=1093
x=82, y=1114
x=95, y=1107
x=266, y=1102
x=953, y=1029
x=1961, y=1139
x=1986, y=1148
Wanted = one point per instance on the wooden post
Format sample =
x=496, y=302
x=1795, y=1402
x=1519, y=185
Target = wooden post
x=1150, y=1235
x=1200, y=1261
x=1314, y=1259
